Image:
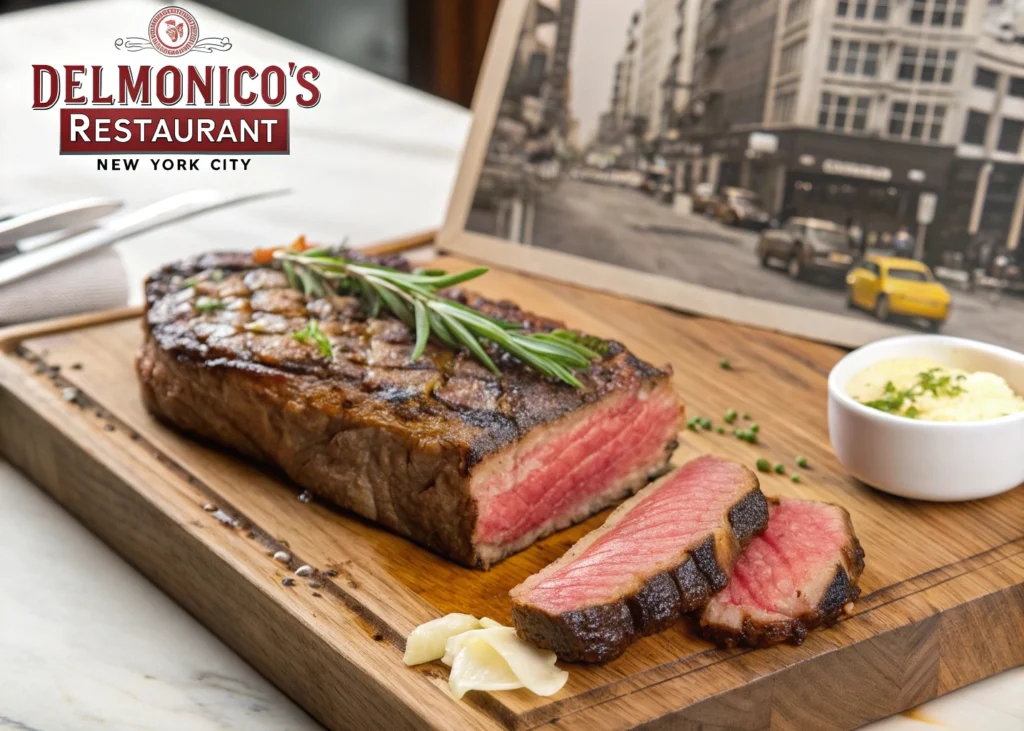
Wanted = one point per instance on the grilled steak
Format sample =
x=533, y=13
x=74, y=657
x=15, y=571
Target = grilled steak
x=469, y=464
x=797, y=575
x=664, y=552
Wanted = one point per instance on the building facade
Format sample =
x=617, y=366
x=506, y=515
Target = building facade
x=857, y=107
x=619, y=121
x=557, y=112
x=623, y=100
x=986, y=195
x=658, y=30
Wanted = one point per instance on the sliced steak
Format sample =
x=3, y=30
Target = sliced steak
x=797, y=575
x=664, y=552
x=472, y=465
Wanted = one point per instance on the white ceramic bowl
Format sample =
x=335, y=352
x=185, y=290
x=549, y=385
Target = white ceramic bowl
x=924, y=459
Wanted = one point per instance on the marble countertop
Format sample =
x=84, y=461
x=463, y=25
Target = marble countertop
x=85, y=641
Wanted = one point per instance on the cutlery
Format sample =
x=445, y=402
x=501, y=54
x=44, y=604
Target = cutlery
x=119, y=228
x=54, y=218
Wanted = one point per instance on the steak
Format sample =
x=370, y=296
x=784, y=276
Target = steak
x=662, y=553
x=470, y=464
x=797, y=575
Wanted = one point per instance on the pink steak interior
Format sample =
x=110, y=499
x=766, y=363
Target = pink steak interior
x=787, y=569
x=574, y=463
x=652, y=537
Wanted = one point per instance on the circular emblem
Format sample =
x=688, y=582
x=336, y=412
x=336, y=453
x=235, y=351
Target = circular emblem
x=173, y=31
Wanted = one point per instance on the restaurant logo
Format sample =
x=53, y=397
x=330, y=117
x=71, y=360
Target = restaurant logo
x=173, y=32
x=174, y=108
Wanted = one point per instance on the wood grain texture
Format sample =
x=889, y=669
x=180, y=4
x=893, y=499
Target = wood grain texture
x=943, y=591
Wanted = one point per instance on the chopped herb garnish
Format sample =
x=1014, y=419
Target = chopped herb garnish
x=730, y=416
x=705, y=423
x=801, y=462
x=746, y=416
x=209, y=304
x=780, y=468
x=938, y=385
x=794, y=477
x=312, y=332
x=755, y=428
x=215, y=276
x=720, y=430
x=746, y=435
x=725, y=365
x=763, y=465
x=902, y=402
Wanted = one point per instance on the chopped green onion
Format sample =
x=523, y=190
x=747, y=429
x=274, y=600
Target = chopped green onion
x=730, y=416
x=763, y=465
x=795, y=477
x=720, y=430
x=725, y=365
x=746, y=416
x=755, y=428
x=801, y=462
x=780, y=468
x=746, y=436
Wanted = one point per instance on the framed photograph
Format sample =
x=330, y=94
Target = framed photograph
x=818, y=167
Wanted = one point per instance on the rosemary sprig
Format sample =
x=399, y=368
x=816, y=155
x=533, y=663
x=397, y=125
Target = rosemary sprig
x=412, y=298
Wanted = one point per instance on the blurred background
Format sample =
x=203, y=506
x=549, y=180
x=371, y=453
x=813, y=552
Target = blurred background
x=433, y=45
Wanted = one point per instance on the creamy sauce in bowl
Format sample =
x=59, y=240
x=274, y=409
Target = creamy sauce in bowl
x=922, y=388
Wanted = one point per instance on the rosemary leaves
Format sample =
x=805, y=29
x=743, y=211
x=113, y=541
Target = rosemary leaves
x=412, y=297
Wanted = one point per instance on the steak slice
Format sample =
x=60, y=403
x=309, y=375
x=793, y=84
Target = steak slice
x=664, y=552
x=472, y=465
x=797, y=575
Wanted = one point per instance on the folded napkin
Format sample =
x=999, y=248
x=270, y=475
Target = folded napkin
x=93, y=281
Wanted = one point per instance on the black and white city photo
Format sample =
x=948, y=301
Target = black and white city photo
x=861, y=158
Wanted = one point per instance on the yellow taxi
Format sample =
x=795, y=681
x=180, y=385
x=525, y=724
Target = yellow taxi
x=889, y=285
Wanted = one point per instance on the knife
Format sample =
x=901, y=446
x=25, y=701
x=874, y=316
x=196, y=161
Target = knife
x=54, y=218
x=175, y=208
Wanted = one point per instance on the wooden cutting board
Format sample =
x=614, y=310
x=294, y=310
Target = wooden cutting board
x=943, y=592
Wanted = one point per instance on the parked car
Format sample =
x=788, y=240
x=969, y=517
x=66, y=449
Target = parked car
x=807, y=245
x=657, y=183
x=740, y=207
x=890, y=286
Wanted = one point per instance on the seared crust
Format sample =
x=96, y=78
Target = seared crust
x=394, y=440
x=841, y=591
x=603, y=632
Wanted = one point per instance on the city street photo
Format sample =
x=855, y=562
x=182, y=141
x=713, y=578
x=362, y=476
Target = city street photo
x=860, y=159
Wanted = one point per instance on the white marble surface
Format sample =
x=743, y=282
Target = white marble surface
x=85, y=641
